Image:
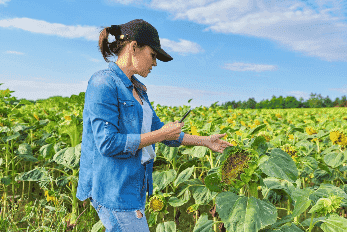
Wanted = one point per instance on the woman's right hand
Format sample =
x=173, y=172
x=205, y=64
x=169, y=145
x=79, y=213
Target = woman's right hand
x=172, y=130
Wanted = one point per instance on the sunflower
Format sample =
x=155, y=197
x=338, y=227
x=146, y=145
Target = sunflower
x=337, y=137
x=230, y=120
x=157, y=203
x=310, y=130
x=194, y=130
x=291, y=137
x=233, y=142
x=37, y=118
x=233, y=167
x=265, y=135
x=290, y=150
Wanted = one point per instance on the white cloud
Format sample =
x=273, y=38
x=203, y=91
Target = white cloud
x=179, y=96
x=249, y=67
x=125, y=2
x=4, y=2
x=163, y=95
x=183, y=47
x=315, y=29
x=33, y=90
x=177, y=5
x=43, y=27
x=14, y=52
x=95, y=60
x=299, y=94
x=88, y=32
x=341, y=90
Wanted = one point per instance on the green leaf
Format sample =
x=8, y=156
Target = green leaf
x=331, y=222
x=334, y=159
x=334, y=223
x=69, y=157
x=243, y=214
x=183, y=176
x=199, y=151
x=170, y=152
x=163, y=178
x=212, y=182
x=202, y=195
x=293, y=129
x=203, y=224
x=289, y=228
x=177, y=202
x=255, y=130
x=166, y=227
x=280, y=165
x=97, y=226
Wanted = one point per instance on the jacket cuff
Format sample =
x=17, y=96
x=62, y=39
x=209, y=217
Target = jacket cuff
x=180, y=139
x=132, y=144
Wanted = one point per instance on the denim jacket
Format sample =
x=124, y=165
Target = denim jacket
x=110, y=164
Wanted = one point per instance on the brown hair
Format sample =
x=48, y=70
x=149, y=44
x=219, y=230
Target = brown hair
x=107, y=49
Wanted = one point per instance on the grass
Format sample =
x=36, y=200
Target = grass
x=25, y=217
x=21, y=218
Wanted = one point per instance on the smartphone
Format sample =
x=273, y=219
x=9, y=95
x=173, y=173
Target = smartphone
x=185, y=116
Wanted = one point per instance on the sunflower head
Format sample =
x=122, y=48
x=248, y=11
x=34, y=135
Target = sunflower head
x=265, y=135
x=157, y=203
x=236, y=162
x=290, y=150
x=337, y=137
x=310, y=131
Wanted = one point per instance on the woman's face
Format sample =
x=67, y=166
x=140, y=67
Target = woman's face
x=144, y=59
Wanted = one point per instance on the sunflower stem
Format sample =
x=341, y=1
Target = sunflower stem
x=211, y=159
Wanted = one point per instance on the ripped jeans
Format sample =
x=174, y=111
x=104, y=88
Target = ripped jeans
x=121, y=221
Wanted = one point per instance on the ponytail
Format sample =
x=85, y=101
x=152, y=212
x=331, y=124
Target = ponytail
x=108, y=49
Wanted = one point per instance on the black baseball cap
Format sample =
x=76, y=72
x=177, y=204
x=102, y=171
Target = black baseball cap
x=144, y=33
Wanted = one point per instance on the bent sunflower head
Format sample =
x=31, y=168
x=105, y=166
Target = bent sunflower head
x=234, y=164
x=157, y=203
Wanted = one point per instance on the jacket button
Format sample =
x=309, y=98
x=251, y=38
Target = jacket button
x=125, y=103
x=106, y=123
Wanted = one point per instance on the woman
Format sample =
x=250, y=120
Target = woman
x=120, y=129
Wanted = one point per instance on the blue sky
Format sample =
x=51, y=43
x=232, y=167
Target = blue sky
x=223, y=50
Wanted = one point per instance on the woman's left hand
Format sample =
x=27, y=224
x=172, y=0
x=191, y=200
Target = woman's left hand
x=215, y=144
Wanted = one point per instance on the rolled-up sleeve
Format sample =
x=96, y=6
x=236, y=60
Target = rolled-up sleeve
x=102, y=105
x=157, y=124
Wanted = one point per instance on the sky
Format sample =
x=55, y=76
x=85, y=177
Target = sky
x=222, y=50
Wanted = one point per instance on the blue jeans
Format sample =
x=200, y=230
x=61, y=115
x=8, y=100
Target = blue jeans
x=119, y=221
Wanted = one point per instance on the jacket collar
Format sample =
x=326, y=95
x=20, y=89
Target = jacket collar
x=114, y=67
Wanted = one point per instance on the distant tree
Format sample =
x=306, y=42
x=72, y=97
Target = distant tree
x=291, y=102
x=336, y=102
x=303, y=104
x=315, y=101
x=259, y=105
x=343, y=101
x=239, y=104
x=266, y=104
x=234, y=104
x=327, y=102
x=251, y=103
x=277, y=103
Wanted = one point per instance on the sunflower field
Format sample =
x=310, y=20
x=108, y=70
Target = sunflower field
x=286, y=170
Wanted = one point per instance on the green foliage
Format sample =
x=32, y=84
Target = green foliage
x=290, y=102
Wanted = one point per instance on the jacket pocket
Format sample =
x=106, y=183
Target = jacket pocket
x=126, y=110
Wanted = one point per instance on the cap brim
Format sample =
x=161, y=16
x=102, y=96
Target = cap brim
x=162, y=55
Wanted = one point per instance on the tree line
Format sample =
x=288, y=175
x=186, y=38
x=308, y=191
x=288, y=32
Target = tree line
x=315, y=101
